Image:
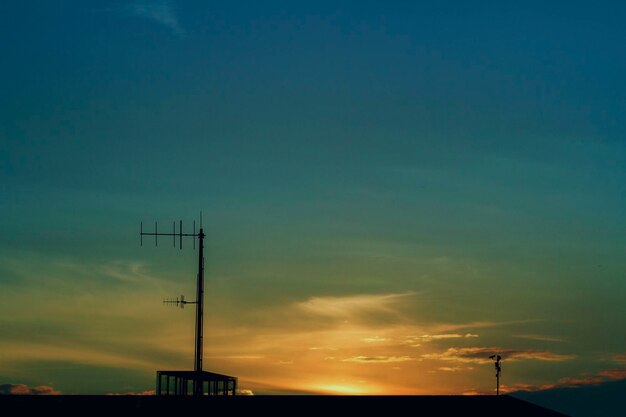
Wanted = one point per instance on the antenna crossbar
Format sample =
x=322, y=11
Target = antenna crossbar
x=174, y=234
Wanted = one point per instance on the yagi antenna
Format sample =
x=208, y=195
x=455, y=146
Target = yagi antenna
x=180, y=302
x=181, y=233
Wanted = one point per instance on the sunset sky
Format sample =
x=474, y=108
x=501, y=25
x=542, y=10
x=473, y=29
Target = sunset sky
x=392, y=192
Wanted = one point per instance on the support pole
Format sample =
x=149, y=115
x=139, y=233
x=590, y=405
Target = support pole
x=197, y=389
x=498, y=383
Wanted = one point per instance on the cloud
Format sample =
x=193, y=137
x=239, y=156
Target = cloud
x=237, y=357
x=621, y=358
x=481, y=355
x=579, y=381
x=538, y=337
x=601, y=377
x=582, y=380
x=618, y=374
x=161, y=12
x=455, y=368
x=414, y=340
x=379, y=359
x=462, y=327
x=22, y=389
x=571, y=382
x=543, y=355
x=245, y=392
x=147, y=392
x=374, y=339
x=353, y=306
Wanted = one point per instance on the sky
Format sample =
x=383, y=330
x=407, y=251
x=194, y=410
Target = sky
x=391, y=192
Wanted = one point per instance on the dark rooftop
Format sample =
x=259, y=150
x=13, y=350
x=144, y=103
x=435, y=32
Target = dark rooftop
x=276, y=405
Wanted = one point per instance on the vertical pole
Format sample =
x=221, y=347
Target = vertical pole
x=199, y=312
x=498, y=369
x=498, y=383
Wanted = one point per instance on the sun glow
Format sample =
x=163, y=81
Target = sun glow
x=340, y=389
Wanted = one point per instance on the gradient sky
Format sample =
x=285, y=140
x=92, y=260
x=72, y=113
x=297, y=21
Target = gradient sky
x=391, y=191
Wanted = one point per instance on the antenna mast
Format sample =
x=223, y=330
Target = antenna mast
x=197, y=385
x=496, y=361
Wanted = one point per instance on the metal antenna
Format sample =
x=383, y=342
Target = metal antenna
x=497, y=358
x=180, y=302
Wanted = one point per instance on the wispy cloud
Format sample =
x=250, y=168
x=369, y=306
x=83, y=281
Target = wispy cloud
x=571, y=382
x=455, y=368
x=140, y=393
x=283, y=363
x=162, y=12
x=481, y=355
x=22, y=389
x=374, y=339
x=617, y=374
x=238, y=357
x=542, y=355
x=416, y=341
x=462, y=327
x=379, y=359
x=352, y=306
x=539, y=337
x=621, y=358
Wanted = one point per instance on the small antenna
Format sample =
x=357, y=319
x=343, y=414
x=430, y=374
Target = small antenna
x=497, y=358
x=178, y=302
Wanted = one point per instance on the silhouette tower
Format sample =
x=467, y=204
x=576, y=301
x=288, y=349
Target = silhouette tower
x=216, y=383
x=497, y=359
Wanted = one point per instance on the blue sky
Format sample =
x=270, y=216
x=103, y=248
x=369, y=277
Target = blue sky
x=441, y=167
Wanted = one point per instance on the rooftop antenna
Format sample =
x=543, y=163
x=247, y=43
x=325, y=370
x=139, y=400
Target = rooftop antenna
x=180, y=302
x=496, y=361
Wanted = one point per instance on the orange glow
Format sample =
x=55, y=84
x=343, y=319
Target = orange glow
x=340, y=389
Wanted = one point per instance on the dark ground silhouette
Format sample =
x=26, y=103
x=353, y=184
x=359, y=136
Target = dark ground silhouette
x=275, y=405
